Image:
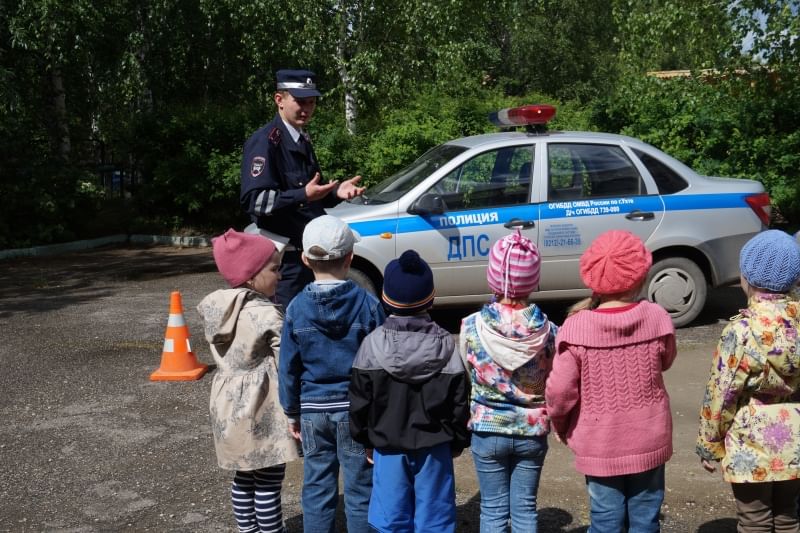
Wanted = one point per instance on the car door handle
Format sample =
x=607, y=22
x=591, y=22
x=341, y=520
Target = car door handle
x=518, y=223
x=640, y=215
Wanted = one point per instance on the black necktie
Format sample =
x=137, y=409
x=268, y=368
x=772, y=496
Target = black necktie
x=305, y=143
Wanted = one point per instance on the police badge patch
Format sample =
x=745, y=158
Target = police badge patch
x=257, y=167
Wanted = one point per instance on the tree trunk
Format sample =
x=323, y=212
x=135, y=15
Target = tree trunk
x=63, y=144
x=145, y=100
x=350, y=110
x=350, y=104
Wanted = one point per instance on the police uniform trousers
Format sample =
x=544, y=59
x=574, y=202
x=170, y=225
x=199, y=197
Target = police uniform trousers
x=294, y=277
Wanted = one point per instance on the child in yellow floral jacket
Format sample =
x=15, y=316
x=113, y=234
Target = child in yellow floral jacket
x=750, y=417
x=795, y=292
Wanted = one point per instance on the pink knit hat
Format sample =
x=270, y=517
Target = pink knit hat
x=513, y=270
x=240, y=256
x=615, y=262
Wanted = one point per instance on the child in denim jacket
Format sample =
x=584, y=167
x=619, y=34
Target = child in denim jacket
x=324, y=326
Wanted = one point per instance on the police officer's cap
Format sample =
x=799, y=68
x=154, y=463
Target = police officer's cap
x=299, y=83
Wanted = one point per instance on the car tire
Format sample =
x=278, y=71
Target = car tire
x=678, y=285
x=363, y=280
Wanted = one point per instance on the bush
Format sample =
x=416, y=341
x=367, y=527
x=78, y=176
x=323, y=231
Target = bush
x=400, y=135
x=741, y=126
x=190, y=162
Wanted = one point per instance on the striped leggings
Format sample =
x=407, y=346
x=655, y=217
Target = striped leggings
x=256, y=498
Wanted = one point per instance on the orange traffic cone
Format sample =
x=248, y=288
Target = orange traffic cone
x=178, y=362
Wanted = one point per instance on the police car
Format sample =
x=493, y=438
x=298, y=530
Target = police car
x=562, y=189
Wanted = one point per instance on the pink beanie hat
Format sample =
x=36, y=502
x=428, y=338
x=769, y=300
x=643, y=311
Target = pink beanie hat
x=513, y=270
x=615, y=262
x=240, y=256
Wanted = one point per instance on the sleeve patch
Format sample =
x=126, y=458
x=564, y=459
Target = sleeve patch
x=257, y=166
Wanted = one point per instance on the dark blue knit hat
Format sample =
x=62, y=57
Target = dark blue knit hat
x=771, y=260
x=407, y=284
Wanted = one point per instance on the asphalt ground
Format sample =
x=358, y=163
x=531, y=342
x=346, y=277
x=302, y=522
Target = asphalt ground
x=89, y=444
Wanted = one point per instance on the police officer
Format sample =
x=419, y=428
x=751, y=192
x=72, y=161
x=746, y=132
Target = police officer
x=282, y=186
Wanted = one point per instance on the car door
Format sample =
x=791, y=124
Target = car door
x=591, y=188
x=476, y=200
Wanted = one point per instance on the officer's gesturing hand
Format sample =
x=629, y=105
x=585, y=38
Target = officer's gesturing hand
x=315, y=191
x=349, y=190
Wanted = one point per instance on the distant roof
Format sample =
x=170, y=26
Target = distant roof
x=703, y=73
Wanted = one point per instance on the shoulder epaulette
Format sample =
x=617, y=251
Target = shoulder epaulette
x=275, y=136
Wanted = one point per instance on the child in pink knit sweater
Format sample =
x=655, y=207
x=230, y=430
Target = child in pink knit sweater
x=605, y=395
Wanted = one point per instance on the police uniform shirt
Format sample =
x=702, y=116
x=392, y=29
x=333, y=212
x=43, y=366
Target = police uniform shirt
x=275, y=171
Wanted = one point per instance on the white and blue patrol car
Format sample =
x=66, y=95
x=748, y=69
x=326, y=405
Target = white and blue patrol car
x=563, y=189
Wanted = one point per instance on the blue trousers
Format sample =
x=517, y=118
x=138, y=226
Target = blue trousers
x=327, y=445
x=634, y=499
x=294, y=277
x=508, y=468
x=413, y=491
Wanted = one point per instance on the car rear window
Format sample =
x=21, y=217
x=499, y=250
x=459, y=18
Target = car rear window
x=667, y=180
x=586, y=170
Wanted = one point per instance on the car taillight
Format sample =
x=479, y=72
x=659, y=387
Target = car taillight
x=761, y=206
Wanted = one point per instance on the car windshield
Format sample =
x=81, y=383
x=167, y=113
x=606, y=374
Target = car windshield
x=406, y=179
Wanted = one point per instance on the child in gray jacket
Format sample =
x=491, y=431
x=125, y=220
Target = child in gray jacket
x=409, y=400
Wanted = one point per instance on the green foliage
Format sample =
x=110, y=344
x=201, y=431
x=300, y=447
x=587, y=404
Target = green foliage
x=565, y=48
x=49, y=205
x=671, y=34
x=194, y=155
x=397, y=137
x=431, y=117
x=166, y=91
x=741, y=126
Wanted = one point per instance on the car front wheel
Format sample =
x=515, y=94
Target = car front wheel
x=361, y=279
x=678, y=285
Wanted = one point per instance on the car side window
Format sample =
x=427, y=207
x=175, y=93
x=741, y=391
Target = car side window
x=667, y=180
x=494, y=178
x=577, y=171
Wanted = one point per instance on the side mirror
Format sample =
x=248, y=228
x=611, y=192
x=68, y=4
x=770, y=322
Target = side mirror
x=428, y=204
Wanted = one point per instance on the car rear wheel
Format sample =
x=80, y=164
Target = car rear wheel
x=363, y=280
x=678, y=285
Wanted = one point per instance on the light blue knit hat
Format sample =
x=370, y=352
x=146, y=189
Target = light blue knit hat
x=771, y=260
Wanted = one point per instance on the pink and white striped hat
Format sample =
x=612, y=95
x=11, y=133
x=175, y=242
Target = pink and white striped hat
x=513, y=270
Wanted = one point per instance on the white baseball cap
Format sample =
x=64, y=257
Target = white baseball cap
x=327, y=237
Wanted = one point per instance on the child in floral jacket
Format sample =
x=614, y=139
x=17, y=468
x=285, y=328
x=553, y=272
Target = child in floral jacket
x=751, y=411
x=795, y=292
x=508, y=348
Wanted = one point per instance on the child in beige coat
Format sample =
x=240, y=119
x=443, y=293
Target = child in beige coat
x=243, y=326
